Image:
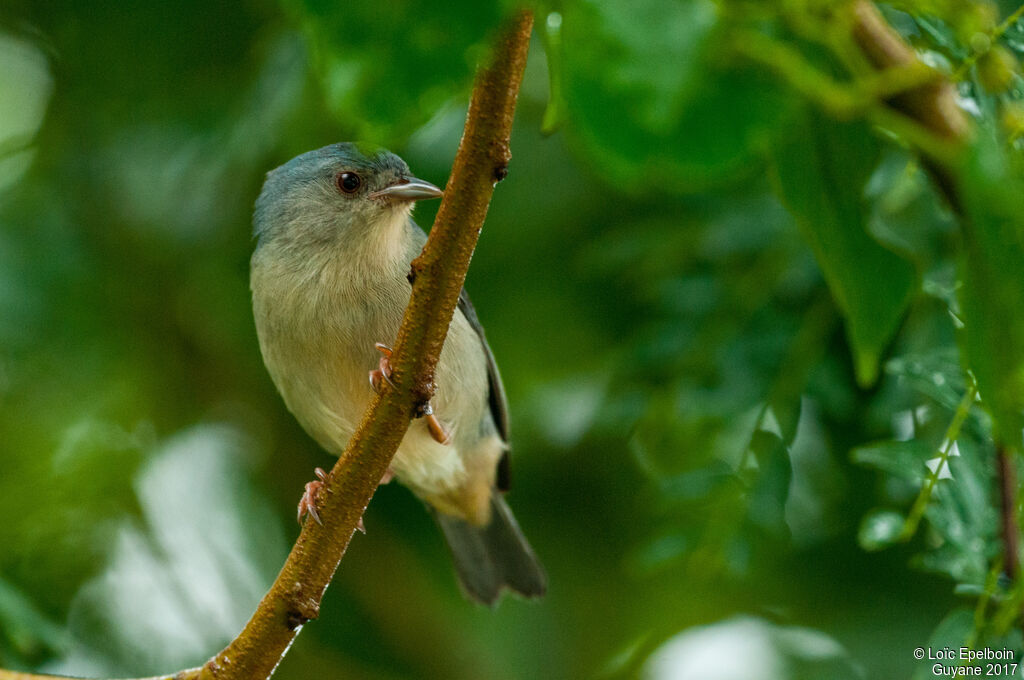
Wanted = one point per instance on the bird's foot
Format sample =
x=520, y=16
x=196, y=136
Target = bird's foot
x=383, y=370
x=307, y=504
x=383, y=374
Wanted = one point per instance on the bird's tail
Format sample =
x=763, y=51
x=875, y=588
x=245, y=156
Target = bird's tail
x=492, y=556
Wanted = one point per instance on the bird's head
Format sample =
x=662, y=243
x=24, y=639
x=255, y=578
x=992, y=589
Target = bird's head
x=339, y=193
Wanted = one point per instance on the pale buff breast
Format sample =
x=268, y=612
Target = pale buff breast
x=317, y=332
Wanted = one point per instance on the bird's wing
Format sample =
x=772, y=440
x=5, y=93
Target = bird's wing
x=496, y=398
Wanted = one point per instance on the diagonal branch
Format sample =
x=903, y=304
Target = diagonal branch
x=437, y=274
x=440, y=272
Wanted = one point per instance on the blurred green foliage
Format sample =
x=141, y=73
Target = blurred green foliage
x=822, y=173
x=756, y=364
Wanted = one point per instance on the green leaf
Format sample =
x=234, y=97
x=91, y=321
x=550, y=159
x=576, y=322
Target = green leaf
x=879, y=529
x=822, y=171
x=27, y=85
x=936, y=374
x=952, y=632
x=386, y=68
x=992, y=294
x=902, y=459
x=23, y=628
x=650, y=102
x=962, y=512
x=767, y=504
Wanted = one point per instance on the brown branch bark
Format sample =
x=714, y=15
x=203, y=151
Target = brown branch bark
x=16, y=675
x=439, y=273
x=933, y=105
x=1007, y=475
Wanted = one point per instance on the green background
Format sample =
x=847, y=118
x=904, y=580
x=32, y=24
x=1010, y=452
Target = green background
x=704, y=291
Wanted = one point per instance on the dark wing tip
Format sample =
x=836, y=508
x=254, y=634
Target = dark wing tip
x=504, y=479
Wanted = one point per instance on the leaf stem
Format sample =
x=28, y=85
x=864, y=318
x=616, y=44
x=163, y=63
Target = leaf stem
x=963, y=409
x=993, y=36
x=1008, y=510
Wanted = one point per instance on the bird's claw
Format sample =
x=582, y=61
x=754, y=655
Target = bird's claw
x=383, y=370
x=307, y=504
x=437, y=430
x=425, y=410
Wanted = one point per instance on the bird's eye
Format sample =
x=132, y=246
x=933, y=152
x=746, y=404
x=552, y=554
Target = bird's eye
x=349, y=182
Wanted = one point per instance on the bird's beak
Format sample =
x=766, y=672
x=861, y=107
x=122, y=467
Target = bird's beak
x=409, y=189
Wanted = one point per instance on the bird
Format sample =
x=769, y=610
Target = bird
x=334, y=241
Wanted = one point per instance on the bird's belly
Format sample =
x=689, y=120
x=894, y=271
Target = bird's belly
x=320, y=356
x=425, y=466
x=329, y=391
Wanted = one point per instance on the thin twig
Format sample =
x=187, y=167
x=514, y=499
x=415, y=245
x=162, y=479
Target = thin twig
x=1008, y=511
x=945, y=449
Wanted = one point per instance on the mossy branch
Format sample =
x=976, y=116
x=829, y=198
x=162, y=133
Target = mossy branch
x=438, y=273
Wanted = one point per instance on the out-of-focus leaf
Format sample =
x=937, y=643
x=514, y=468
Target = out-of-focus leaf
x=953, y=632
x=388, y=67
x=906, y=214
x=813, y=655
x=962, y=513
x=992, y=294
x=24, y=631
x=937, y=375
x=758, y=650
x=784, y=416
x=698, y=484
x=650, y=102
x=26, y=86
x=879, y=529
x=767, y=504
x=902, y=459
x=940, y=36
x=190, y=578
x=822, y=171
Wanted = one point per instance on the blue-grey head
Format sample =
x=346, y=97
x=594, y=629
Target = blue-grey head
x=336, y=194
